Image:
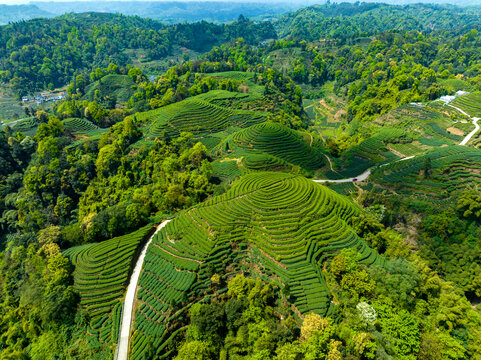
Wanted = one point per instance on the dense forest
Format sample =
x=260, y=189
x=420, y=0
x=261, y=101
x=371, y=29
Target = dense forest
x=316, y=179
x=44, y=54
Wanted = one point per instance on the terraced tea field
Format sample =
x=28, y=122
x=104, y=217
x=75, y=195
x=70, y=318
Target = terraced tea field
x=27, y=126
x=269, y=145
x=101, y=274
x=325, y=119
x=453, y=168
x=372, y=151
x=198, y=116
x=470, y=103
x=403, y=132
x=120, y=87
x=80, y=126
x=284, y=224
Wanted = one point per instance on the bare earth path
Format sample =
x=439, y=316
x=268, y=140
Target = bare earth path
x=330, y=163
x=122, y=352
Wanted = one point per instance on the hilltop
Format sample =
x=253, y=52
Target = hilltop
x=278, y=226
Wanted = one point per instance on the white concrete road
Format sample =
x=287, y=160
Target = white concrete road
x=475, y=122
x=361, y=177
x=122, y=352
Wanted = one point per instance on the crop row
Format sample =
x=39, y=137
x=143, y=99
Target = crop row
x=198, y=116
x=290, y=225
x=278, y=141
x=100, y=276
x=451, y=168
x=79, y=125
x=470, y=103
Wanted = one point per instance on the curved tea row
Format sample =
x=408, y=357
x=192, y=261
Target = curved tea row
x=285, y=224
x=198, y=116
x=271, y=144
x=100, y=276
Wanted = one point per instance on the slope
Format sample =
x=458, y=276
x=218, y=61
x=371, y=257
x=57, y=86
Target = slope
x=269, y=144
x=281, y=226
x=408, y=130
x=100, y=276
x=118, y=87
x=449, y=169
x=198, y=115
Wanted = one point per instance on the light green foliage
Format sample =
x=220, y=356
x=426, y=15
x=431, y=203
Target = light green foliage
x=257, y=201
x=275, y=140
x=469, y=203
x=345, y=264
x=401, y=328
x=453, y=306
x=194, y=350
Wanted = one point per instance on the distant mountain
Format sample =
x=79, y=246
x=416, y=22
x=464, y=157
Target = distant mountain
x=12, y=13
x=176, y=11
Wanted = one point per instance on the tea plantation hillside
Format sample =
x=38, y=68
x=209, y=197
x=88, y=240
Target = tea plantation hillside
x=283, y=226
x=268, y=145
x=101, y=274
x=408, y=130
x=470, y=103
x=118, y=87
x=199, y=115
x=78, y=126
x=435, y=175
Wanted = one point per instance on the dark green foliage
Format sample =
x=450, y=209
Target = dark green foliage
x=350, y=22
x=46, y=53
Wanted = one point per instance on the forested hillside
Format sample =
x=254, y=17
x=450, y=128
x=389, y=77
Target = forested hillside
x=44, y=54
x=306, y=188
x=347, y=21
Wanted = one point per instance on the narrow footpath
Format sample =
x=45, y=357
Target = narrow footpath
x=122, y=352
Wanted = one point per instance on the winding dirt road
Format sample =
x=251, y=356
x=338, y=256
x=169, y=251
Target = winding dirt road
x=122, y=352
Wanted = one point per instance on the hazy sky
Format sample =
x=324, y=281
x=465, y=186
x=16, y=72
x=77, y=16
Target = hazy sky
x=17, y=2
x=303, y=2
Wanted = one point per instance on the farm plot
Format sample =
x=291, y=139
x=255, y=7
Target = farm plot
x=80, y=126
x=285, y=224
x=120, y=87
x=451, y=169
x=28, y=126
x=101, y=275
x=372, y=151
x=470, y=103
x=197, y=116
x=269, y=145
